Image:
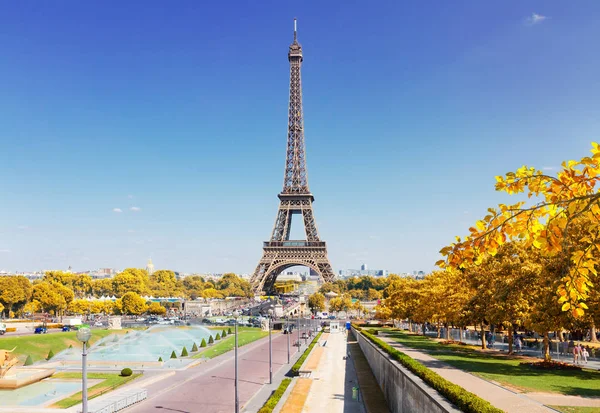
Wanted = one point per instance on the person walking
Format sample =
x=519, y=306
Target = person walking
x=576, y=354
x=585, y=354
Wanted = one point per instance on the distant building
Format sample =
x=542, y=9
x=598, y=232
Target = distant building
x=362, y=272
x=150, y=267
x=364, y=267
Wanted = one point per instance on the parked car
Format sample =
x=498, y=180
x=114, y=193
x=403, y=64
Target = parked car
x=2, y=329
x=332, y=317
x=66, y=328
x=231, y=322
x=98, y=324
x=40, y=330
x=206, y=321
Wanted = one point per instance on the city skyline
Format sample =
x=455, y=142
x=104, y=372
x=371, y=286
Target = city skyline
x=122, y=145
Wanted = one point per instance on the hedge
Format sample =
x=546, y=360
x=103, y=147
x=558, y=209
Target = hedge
x=298, y=364
x=194, y=347
x=203, y=343
x=184, y=352
x=126, y=372
x=464, y=400
x=270, y=404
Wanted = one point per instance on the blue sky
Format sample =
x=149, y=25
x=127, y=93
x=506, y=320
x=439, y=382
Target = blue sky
x=178, y=110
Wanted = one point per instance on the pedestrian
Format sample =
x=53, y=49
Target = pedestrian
x=518, y=344
x=575, y=354
x=585, y=354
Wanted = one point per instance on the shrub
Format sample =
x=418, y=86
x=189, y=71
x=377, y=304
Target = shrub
x=194, y=347
x=270, y=404
x=211, y=340
x=126, y=372
x=173, y=355
x=224, y=333
x=464, y=400
x=71, y=345
x=217, y=337
x=160, y=359
x=229, y=331
x=29, y=361
x=203, y=343
x=184, y=352
x=50, y=354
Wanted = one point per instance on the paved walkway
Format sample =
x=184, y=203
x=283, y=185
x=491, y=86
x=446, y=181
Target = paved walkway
x=208, y=388
x=331, y=380
x=498, y=396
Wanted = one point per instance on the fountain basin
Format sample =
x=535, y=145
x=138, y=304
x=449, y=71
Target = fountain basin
x=22, y=376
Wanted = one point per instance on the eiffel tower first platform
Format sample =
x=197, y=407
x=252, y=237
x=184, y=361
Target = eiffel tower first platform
x=280, y=252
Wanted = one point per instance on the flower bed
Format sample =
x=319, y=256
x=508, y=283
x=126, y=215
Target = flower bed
x=447, y=342
x=550, y=365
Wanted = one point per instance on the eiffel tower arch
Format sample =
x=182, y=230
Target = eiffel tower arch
x=281, y=253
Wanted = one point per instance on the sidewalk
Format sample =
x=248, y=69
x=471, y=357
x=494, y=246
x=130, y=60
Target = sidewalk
x=328, y=387
x=498, y=396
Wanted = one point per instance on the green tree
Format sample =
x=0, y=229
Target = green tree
x=224, y=333
x=217, y=337
x=194, y=347
x=316, y=302
x=173, y=355
x=184, y=352
x=203, y=343
x=211, y=339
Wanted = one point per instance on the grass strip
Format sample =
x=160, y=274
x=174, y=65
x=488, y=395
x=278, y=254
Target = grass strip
x=275, y=397
x=110, y=382
x=298, y=364
x=464, y=400
x=245, y=336
x=278, y=393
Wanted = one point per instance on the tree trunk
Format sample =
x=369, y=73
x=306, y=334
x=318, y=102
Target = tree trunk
x=483, y=343
x=447, y=327
x=561, y=335
x=439, y=330
x=510, y=339
x=460, y=334
x=593, y=338
x=546, y=350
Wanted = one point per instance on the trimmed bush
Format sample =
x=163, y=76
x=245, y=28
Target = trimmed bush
x=270, y=404
x=50, y=354
x=203, y=343
x=211, y=340
x=224, y=334
x=194, y=347
x=126, y=372
x=464, y=400
x=160, y=359
x=29, y=361
x=71, y=345
x=173, y=355
x=184, y=352
x=229, y=331
x=217, y=337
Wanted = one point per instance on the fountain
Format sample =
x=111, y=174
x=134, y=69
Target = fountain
x=12, y=377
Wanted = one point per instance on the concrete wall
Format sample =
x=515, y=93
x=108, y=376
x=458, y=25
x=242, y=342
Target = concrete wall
x=403, y=391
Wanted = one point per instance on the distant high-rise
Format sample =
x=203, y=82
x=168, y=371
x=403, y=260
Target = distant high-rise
x=363, y=267
x=150, y=267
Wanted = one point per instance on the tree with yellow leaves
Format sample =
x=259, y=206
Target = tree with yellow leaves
x=564, y=199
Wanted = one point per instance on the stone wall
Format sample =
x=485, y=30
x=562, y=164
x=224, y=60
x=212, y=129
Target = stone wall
x=404, y=392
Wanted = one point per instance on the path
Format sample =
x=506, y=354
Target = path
x=498, y=396
x=208, y=388
x=328, y=387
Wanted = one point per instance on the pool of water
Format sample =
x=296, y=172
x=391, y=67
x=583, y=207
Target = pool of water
x=38, y=394
x=140, y=346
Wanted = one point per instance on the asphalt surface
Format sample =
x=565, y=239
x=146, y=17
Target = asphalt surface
x=209, y=387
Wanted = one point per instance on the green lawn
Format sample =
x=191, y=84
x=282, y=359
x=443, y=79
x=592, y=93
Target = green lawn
x=38, y=345
x=245, y=335
x=504, y=369
x=109, y=382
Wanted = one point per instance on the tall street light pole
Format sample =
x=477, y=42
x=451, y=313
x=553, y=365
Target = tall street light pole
x=236, y=314
x=287, y=329
x=298, y=331
x=83, y=335
x=270, y=349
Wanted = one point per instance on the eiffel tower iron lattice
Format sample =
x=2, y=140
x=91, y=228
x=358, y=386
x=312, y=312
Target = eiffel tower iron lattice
x=280, y=252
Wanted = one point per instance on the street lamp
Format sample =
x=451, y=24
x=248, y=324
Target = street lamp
x=270, y=349
x=236, y=314
x=83, y=335
x=298, y=325
x=288, y=332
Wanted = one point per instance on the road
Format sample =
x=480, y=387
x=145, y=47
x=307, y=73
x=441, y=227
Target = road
x=209, y=388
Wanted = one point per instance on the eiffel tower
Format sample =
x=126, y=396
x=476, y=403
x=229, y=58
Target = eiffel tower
x=280, y=252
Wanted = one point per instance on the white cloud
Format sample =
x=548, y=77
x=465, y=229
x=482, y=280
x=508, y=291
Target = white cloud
x=135, y=209
x=536, y=18
x=5, y=251
x=117, y=210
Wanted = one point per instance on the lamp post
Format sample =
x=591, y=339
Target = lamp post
x=287, y=329
x=236, y=314
x=298, y=331
x=83, y=335
x=270, y=349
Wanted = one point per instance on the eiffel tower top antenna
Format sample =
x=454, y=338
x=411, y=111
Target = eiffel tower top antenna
x=295, y=31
